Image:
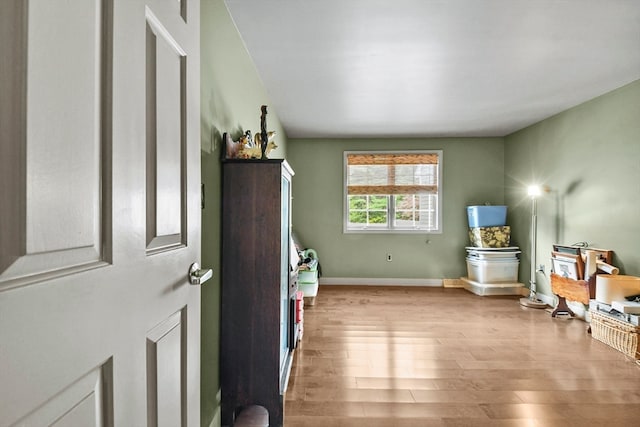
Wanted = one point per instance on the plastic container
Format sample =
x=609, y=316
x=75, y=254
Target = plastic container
x=486, y=216
x=494, y=271
x=510, y=253
x=307, y=276
x=487, y=289
x=309, y=289
x=490, y=237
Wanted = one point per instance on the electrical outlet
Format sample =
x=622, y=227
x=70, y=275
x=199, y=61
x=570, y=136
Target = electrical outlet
x=389, y=257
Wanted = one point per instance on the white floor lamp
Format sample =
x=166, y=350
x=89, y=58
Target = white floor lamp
x=532, y=301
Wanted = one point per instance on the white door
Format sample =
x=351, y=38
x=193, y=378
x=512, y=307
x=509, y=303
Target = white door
x=99, y=212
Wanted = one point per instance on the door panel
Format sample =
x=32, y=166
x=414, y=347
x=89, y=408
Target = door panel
x=86, y=402
x=63, y=79
x=165, y=370
x=98, y=322
x=165, y=74
x=12, y=128
x=54, y=161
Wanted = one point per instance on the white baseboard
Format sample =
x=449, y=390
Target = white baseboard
x=379, y=281
x=448, y=283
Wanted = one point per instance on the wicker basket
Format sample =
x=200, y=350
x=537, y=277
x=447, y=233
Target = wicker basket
x=616, y=333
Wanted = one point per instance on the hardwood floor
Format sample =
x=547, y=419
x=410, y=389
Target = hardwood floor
x=412, y=356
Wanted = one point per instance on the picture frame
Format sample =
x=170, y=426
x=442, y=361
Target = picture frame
x=569, y=257
x=574, y=250
x=565, y=267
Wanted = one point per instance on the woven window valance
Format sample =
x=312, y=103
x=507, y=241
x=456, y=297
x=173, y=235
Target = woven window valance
x=392, y=173
x=392, y=159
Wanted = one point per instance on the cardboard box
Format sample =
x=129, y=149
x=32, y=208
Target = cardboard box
x=616, y=287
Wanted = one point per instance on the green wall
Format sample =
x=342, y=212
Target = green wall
x=473, y=172
x=589, y=156
x=231, y=96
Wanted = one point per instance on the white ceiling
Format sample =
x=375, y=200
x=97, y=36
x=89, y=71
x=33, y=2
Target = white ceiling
x=426, y=68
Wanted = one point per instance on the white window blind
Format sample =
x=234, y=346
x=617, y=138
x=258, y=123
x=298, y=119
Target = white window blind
x=393, y=173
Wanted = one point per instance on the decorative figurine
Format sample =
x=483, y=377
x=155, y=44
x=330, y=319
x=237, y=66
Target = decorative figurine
x=251, y=148
x=256, y=152
x=258, y=138
x=232, y=148
x=264, y=139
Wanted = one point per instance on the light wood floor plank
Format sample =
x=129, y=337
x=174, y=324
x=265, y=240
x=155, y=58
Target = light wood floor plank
x=411, y=356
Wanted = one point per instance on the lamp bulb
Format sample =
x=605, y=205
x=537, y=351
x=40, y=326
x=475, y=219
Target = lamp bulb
x=534, y=190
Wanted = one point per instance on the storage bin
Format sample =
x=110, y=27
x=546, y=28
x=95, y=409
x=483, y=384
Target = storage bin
x=620, y=335
x=486, y=216
x=490, y=237
x=307, y=276
x=309, y=289
x=601, y=307
x=509, y=253
x=493, y=271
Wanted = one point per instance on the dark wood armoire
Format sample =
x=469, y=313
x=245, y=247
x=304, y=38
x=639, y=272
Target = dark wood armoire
x=258, y=329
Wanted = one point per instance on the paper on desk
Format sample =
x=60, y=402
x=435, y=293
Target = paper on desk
x=607, y=268
x=629, y=307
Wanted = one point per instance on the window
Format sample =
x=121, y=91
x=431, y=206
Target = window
x=393, y=191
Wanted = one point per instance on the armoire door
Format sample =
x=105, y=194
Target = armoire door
x=99, y=212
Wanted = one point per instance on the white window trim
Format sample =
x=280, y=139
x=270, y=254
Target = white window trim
x=391, y=209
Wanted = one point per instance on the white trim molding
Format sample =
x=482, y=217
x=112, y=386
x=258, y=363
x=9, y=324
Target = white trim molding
x=369, y=281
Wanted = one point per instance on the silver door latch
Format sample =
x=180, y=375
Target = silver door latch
x=198, y=276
